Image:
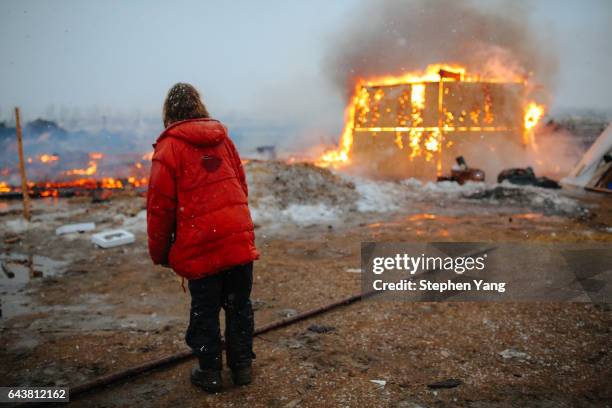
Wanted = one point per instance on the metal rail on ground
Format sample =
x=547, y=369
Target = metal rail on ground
x=173, y=359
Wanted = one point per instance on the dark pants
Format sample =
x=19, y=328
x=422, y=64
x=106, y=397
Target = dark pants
x=230, y=289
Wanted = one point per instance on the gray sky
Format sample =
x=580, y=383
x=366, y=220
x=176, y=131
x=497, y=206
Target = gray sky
x=249, y=59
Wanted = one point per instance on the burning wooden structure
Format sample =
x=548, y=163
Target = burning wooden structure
x=415, y=125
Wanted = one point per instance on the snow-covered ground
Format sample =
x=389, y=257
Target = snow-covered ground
x=309, y=195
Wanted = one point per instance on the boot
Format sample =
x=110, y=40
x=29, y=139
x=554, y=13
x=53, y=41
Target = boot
x=208, y=380
x=242, y=376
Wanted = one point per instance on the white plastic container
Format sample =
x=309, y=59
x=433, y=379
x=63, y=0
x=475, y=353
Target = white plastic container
x=112, y=238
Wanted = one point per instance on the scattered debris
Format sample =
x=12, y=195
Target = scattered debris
x=71, y=228
x=287, y=313
x=526, y=177
x=101, y=195
x=315, y=328
x=461, y=173
x=9, y=274
x=294, y=344
x=112, y=238
x=381, y=383
x=448, y=383
x=266, y=152
x=511, y=353
x=146, y=349
x=409, y=404
x=12, y=239
x=259, y=304
x=594, y=171
x=547, y=201
x=294, y=403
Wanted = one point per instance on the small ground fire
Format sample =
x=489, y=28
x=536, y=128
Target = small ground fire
x=416, y=123
x=54, y=176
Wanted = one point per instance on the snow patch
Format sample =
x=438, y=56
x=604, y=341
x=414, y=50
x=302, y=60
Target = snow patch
x=378, y=197
x=305, y=214
x=19, y=225
x=300, y=214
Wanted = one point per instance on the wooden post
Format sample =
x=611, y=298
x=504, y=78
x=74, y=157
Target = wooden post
x=441, y=122
x=24, y=180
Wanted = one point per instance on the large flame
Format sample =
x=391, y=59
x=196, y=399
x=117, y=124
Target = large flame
x=422, y=140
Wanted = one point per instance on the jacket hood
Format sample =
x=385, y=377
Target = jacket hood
x=199, y=132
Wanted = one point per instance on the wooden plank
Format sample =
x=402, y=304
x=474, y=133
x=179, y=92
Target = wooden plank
x=24, y=180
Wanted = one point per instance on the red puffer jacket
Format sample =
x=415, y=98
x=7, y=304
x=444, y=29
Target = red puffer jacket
x=198, y=219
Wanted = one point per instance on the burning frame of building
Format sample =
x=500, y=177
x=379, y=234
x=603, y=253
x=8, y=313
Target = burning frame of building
x=414, y=125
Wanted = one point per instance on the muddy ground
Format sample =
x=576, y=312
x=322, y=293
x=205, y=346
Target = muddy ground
x=73, y=312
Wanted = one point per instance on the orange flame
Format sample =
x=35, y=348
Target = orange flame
x=109, y=182
x=340, y=156
x=360, y=102
x=90, y=170
x=48, y=158
x=421, y=140
x=85, y=180
x=533, y=114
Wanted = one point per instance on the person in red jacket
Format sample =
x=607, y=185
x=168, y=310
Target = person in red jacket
x=199, y=224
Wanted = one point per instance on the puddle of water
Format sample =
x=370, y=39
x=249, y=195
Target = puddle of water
x=16, y=270
x=21, y=268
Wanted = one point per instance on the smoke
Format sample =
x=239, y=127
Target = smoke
x=489, y=39
x=554, y=154
x=392, y=37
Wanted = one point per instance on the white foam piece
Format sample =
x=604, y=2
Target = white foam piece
x=112, y=238
x=71, y=228
x=380, y=383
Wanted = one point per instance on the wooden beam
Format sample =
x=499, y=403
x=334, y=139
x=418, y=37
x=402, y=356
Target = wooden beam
x=24, y=180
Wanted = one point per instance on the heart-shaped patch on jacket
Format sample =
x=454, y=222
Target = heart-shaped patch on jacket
x=211, y=163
